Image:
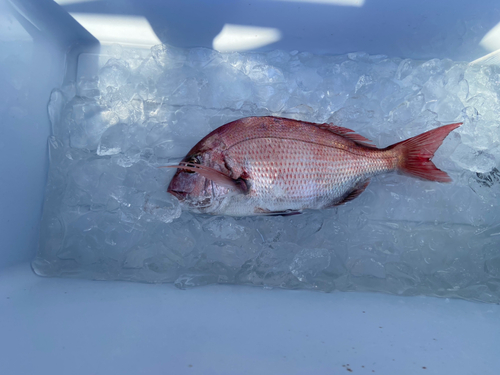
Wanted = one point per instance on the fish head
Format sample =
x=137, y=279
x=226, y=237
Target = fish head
x=191, y=186
x=188, y=186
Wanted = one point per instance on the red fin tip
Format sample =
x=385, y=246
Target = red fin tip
x=416, y=153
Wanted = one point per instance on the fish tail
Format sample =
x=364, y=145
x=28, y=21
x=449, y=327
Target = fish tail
x=415, y=153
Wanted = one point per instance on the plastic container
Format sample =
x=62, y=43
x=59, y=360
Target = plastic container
x=61, y=326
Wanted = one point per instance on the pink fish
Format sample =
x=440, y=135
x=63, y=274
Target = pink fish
x=270, y=165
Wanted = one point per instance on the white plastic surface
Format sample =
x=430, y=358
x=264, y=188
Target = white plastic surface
x=38, y=41
x=63, y=326
x=83, y=327
x=415, y=29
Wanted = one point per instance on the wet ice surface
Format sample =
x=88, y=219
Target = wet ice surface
x=107, y=214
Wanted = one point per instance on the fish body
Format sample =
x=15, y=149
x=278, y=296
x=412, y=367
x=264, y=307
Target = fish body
x=271, y=165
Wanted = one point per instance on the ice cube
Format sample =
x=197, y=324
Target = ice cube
x=113, y=141
x=162, y=208
x=278, y=57
x=114, y=74
x=473, y=160
x=408, y=110
x=307, y=79
x=308, y=263
x=227, y=87
x=224, y=228
x=88, y=122
x=88, y=87
x=203, y=57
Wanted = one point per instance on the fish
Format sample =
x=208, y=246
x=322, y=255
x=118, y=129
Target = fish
x=279, y=166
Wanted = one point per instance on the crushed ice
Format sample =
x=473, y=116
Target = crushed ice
x=107, y=214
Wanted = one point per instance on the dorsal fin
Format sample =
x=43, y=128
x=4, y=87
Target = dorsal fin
x=348, y=133
x=354, y=192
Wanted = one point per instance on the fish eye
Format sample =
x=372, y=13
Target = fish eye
x=195, y=159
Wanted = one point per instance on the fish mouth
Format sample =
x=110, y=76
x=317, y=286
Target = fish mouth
x=180, y=195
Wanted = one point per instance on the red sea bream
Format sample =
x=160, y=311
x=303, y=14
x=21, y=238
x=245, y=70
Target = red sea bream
x=270, y=165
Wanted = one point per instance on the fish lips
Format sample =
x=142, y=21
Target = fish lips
x=180, y=195
x=182, y=185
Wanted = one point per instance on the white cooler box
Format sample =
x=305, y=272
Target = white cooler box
x=78, y=326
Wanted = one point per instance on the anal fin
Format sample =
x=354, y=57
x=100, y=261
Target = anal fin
x=285, y=213
x=263, y=211
x=354, y=193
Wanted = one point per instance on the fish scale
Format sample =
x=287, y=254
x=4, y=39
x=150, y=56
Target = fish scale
x=266, y=165
x=332, y=170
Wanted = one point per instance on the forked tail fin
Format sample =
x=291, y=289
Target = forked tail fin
x=416, y=153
